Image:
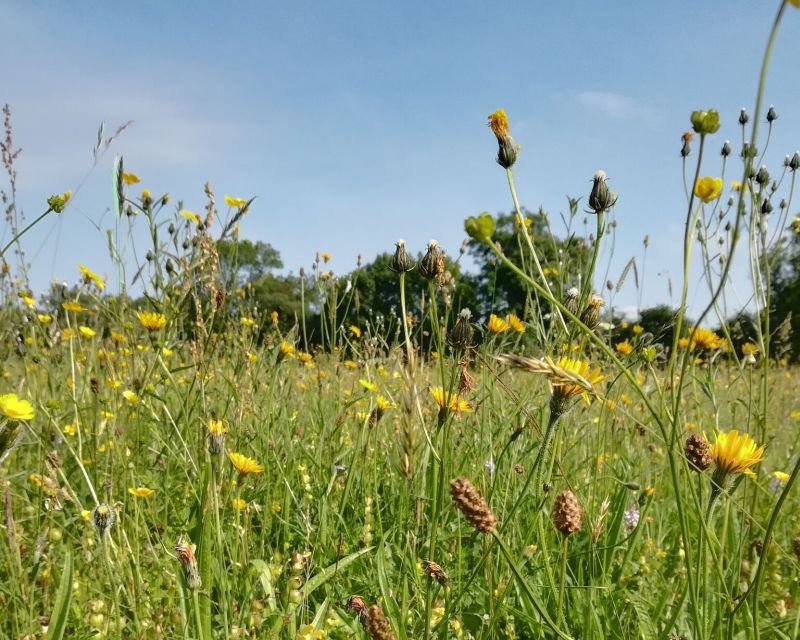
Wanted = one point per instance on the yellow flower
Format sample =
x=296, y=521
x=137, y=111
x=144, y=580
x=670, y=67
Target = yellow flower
x=29, y=302
x=14, y=408
x=350, y=364
x=237, y=203
x=326, y=257
x=44, y=318
x=190, y=215
x=305, y=358
x=243, y=464
x=151, y=320
x=129, y=178
x=454, y=403
x=141, y=492
x=251, y=357
x=708, y=188
x=72, y=306
x=274, y=317
x=217, y=427
x=275, y=506
x=382, y=404
x=568, y=377
x=286, y=349
x=130, y=396
x=515, y=323
x=624, y=347
x=497, y=325
x=86, y=332
x=704, y=339
x=781, y=476
x=369, y=386
x=637, y=329
x=116, y=336
x=354, y=330
x=735, y=452
x=146, y=195
x=67, y=333
x=91, y=276
x=247, y=322
x=749, y=349
x=238, y=504
x=498, y=123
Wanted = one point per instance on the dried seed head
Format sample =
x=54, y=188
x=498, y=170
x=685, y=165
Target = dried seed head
x=590, y=316
x=401, y=262
x=435, y=571
x=357, y=605
x=571, y=300
x=104, y=517
x=185, y=550
x=475, y=509
x=698, y=453
x=377, y=624
x=466, y=382
x=566, y=513
x=432, y=264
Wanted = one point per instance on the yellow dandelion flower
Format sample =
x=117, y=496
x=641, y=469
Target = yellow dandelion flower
x=498, y=123
x=637, y=329
x=190, y=215
x=735, y=452
x=326, y=257
x=130, y=178
x=515, y=323
x=708, y=188
x=217, y=427
x=350, y=364
x=75, y=307
x=91, y=276
x=274, y=317
x=497, y=325
x=151, y=320
x=247, y=322
x=704, y=339
x=116, y=336
x=354, y=330
x=369, y=386
x=130, y=396
x=383, y=404
x=44, y=318
x=624, y=347
x=286, y=349
x=749, y=349
x=305, y=358
x=15, y=408
x=236, y=203
x=451, y=402
x=141, y=492
x=86, y=332
x=28, y=301
x=251, y=357
x=243, y=464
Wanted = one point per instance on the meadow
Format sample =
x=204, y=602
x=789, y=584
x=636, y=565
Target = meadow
x=192, y=463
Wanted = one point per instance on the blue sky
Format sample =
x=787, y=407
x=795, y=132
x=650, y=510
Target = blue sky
x=357, y=123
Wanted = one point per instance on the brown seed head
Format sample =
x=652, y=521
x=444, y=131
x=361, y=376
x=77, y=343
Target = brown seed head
x=698, y=453
x=566, y=513
x=475, y=509
x=357, y=605
x=435, y=571
x=377, y=625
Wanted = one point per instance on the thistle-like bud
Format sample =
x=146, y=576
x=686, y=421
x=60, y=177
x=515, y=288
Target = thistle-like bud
x=698, y=453
x=766, y=207
x=460, y=336
x=103, y=517
x=436, y=572
x=743, y=117
x=571, y=300
x=507, y=149
x=762, y=177
x=794, y=163
x=472, y=505
x=726, y=149
x=566, y=514
x=590, y=316
x=185, y=551
x=601, y=198
x=771, y=114
x=432, y=264
x=466, y=382
x=401, y=262
x=357, y=605
x=686, y=148
x=377, y=625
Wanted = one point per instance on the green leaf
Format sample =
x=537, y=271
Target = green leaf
x=328, y=572
x=60, y=614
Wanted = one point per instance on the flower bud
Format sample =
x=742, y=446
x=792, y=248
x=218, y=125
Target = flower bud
x=771, y=115
x=762, y=177
x=460, y=336
x=601, y=198
x=401, y=262
x=705, y=122
x=432, y=264
x=794, y=163
x=686, y=149
x=726, y=149
x=571, y=300
x=743, y=117
x=507, y=148
x=480, y=228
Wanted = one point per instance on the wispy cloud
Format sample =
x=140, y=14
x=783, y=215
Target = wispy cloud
x=616, y=105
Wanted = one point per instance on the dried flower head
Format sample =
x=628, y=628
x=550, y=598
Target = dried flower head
x=377, y=625
x=432, y=264
x=507, y=149
x=475, y=509
x=435, y=571
x=590, y=316
x=357, y=605
x=185, y=550
x=698, y=453
x=601, y=197
x=460, y=336
x=401, y=262
x=566, y=514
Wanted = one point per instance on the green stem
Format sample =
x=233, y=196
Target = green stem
x=23, y=232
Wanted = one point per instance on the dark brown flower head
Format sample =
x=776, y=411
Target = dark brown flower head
x=475, y=509
x=432, y=264
x=566, y=513
x=357, y=605
x=590, y=316
x=466, y=382
x=460, y=336
x=698, y=453
x=377, y=624
x=601, y=198
x=435, y=571
x=401, y=262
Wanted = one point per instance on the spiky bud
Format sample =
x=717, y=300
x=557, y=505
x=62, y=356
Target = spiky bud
x=475, y=509
x=762, y=177
x=601, y=198
x=432, y=264
x=771, y=114
x=435, y=571
x=571, y=300
x=460, y=336
x=698, y=453
x=566, y=514
x=726, y=149
x=401, y=262
x=378, y=627
x=103, y=517
x=743, y=117
x=590, y=316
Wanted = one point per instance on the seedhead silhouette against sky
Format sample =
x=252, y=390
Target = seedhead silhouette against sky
x=357, y=123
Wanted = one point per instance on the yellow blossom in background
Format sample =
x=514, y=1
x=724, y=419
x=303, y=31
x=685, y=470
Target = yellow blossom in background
x=146, y=195
x=86, y=332
x=637, y=329
x=141, y=492
x=67, y=333
x=217, y=427
x=91, y=276
x=781, y=476
x=28, y=301
x=236, y=203
x=251, y=357
x=190, y=215
x=735, y=452
x=326, y=257
x=497, y=325
x=274, y=317
x=243, y=464
x=166, y=352
x=275, y=507
x=350, y=364
x=369, y=386
x=624, y=347
x=451, y=402
x=130, y=396
x=247, y=322
x=15, y=408
x=130, y=178
x=44, y=318
x=72, y=306
x=704, y=339
x=708, y=188
x=749, y=349
x=116, y=336
x=69, y=429
x=382, y=404
x=286, y=349
x=515, y=323
x=305, y=358
x=151, y=320
x=238, y=504
x=354, y=330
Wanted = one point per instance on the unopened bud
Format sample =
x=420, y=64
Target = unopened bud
x=601, y=198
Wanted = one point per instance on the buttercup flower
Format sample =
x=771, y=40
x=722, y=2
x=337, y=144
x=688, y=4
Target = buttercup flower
x=708, y=188
x=15, y=408
x=130, y=178
x=141, y=492
x=236, y=203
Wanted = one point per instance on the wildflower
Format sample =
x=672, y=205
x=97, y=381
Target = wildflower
x=369, y=386
x=14, y=408
x=86, y=332
x=185, y=551
x=104, y=517
x=749, y=349
x=566, y=514
x=631, y=517
x=637, y=329
x=243, y=464
x=141, y=492
x=236, y=203
x=704, y=339
x=472, y=505
x=238, y=504
x=601, y=198
x=285, y=350
x=432, y=263
x=708, y=188
x=246, y=322
x=705, y=122
x=735, y=452
x=354, y=330
x=624, y=347
x=697, y=452
x=686, y=148
x=75, y=307
x=274, y=317
x=130, y=396
x=497, y=325
x=151, y=320
x=130, y=178
x=59, y=201
x=190, y=215
x=480, y=228
x=507, y=148
x=515, y=323
x=305, y=358
x=590, y=316
x=449, y=402
x=781, y=476
x=401, y=262
x=326, y=257
x=91, y=276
